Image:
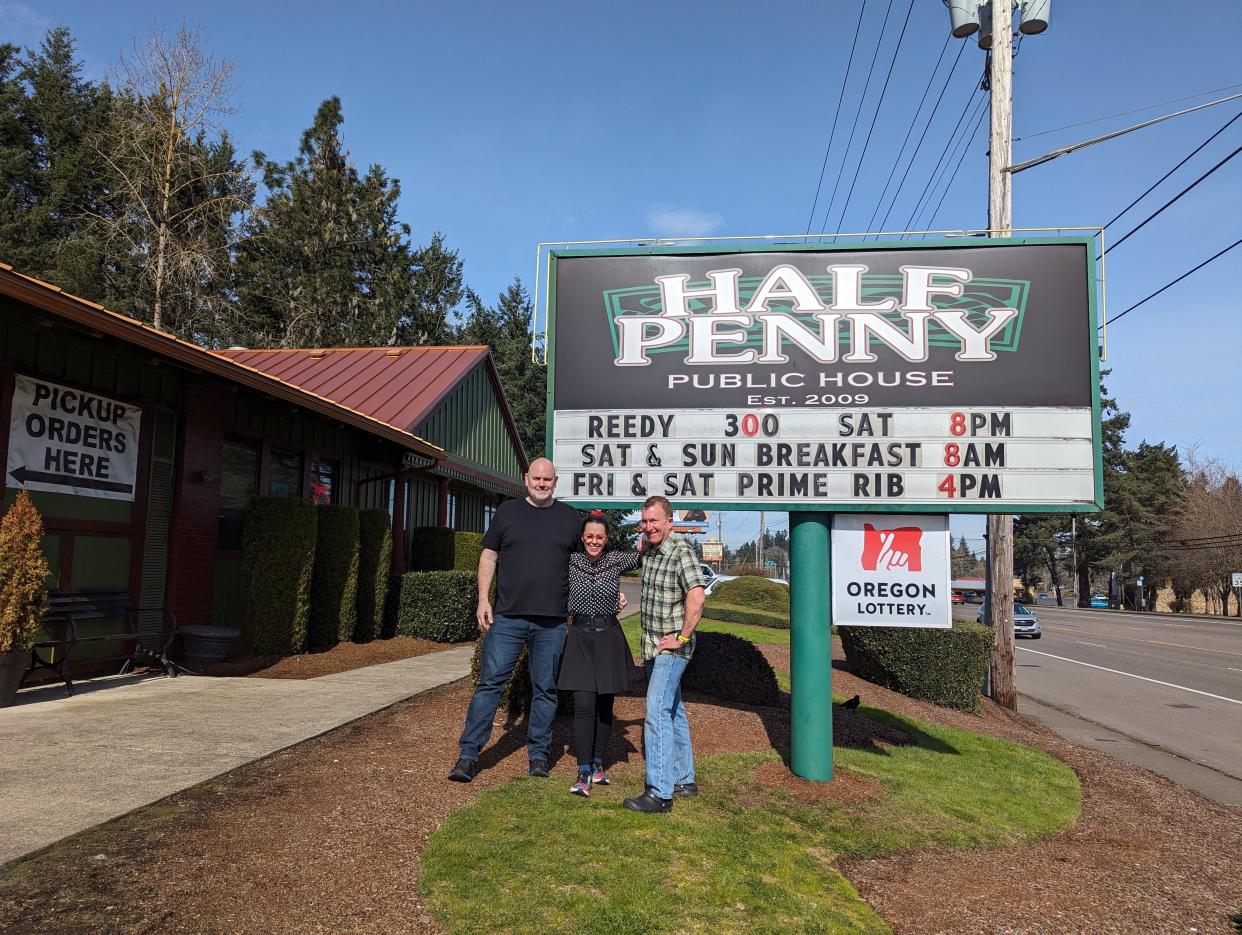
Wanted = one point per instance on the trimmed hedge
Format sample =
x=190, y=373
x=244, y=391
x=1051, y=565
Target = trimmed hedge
x=334, y=585
x=945, y=667
x=753, y=591
x=438, y=606
x=433, y=548
x=278, y=559
x=730, y=668
x=731, y=613
x=374, y=570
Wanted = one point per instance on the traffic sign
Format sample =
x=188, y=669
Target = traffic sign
x=1237, y=579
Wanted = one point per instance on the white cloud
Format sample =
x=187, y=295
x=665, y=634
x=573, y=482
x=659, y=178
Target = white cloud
x=24, y=25
x=668, y=221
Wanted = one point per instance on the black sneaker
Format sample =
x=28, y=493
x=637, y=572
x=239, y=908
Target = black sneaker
x=464, y=771
x=687, y=790
x=649, y=803
x=538, y=768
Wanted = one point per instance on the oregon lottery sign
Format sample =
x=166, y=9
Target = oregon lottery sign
x=940, y=376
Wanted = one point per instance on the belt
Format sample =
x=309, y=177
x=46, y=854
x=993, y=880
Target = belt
x=595, y=624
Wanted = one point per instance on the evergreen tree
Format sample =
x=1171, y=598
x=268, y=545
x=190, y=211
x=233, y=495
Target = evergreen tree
x=325, y=262
x=51, y=179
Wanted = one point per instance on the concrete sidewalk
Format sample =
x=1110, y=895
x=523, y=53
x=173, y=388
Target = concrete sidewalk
x=124, y=742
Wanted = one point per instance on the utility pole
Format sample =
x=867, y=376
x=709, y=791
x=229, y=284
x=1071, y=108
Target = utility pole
x=1000, y=223
x=759, y=546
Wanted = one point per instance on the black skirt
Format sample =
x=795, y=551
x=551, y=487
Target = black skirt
x=596, y=660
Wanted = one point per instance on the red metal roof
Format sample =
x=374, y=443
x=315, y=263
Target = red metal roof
x=397, y=385
x=54, y=300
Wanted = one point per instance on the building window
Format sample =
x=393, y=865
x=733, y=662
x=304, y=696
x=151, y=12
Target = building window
x=284, y=473
x=323, y=481
x=239, y=481
x=454, y=510
x=489, y=513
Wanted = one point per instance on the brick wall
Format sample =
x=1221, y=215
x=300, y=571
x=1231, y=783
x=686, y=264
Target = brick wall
x=192, y=553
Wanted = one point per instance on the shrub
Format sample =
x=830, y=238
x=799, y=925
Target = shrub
x=433, y=548
x=334, y=583
x=374, y=570
x=945, y=667
x=730, y=668
x=438, y=605
x=23, y=575
x=753, y=591
x=278, y=559
x=731, y=613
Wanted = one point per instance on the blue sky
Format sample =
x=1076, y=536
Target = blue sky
x=509, y=124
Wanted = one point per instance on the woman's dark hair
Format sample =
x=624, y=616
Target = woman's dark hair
x=595, y=516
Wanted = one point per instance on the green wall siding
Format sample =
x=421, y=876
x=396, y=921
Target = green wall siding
x=471, y=425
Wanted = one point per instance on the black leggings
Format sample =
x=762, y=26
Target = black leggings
x=592, y=725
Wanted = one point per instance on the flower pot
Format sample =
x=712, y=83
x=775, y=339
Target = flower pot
x=13, y=665
x=206, y=643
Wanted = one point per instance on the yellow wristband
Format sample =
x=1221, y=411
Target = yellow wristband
x=683, y=639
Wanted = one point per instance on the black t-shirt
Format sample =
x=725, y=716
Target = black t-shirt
x=534, y=545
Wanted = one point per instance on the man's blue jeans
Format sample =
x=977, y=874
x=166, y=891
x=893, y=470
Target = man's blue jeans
x=544, y=639
x=666, y=731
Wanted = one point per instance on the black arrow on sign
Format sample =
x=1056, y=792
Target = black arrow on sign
x=24, y=475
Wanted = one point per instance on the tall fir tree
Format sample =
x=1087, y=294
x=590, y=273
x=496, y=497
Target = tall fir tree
x=326, y=263
x=51, y=179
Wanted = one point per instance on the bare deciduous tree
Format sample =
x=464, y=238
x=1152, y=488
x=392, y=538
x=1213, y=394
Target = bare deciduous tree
x=178, y=184
x=1208, y=546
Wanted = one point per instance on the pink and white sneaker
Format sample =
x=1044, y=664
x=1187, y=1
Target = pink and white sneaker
x=598, y=776
x=582, y=786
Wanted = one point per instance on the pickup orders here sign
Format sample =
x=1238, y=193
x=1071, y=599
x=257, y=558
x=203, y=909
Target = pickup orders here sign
x=959, y=376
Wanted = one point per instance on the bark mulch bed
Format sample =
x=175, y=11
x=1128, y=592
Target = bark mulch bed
x=342, y=657
x=327, y=837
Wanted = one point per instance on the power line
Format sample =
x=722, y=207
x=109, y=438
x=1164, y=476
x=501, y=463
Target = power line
x=840, y=97
x=922, y=136
x=876, y=116
x=1124, y=113
x=866, y=87
x=931, y=223
x=1193, y=153
x=910, y=130
x=1169, y=203
x=1174, y=282
x=950, y=143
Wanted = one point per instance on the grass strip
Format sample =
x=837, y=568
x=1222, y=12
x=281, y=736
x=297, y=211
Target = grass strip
x=528, y=857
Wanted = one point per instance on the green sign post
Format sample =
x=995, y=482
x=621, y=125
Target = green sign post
x=810, y=644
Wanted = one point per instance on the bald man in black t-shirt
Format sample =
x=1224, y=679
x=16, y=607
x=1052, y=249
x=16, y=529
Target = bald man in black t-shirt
x=530, y=540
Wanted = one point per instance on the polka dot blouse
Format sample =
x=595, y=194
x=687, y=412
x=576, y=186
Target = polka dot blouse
x=595, y=584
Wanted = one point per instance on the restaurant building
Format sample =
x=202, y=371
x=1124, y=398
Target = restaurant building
x=141, y=450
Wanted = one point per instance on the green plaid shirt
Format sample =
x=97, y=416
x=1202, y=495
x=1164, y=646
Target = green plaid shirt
x=669, y=573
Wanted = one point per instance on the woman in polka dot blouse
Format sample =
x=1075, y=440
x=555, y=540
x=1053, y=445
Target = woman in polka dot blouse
x=597, y=660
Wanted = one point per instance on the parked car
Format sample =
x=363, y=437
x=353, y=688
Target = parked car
x=958, y=598
x=1100, y=600
x=709, y=575
x=1025, y=623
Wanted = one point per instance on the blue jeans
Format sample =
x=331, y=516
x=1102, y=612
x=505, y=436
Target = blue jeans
x=666, y=731
x=544, y=639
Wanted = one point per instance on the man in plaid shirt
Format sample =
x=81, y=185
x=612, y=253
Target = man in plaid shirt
x=670, y=608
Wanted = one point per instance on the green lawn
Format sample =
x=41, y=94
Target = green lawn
x=528, y=857
x=747, y=632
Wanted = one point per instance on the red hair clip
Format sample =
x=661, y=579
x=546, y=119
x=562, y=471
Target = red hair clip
x=599, y=513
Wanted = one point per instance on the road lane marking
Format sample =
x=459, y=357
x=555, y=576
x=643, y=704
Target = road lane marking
x=1135, y=639
x=1085, y=643
x=1141, y=678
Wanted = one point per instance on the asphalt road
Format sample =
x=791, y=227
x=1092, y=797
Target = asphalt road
x=1161, y=691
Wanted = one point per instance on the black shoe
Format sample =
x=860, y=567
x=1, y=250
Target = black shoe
x=538, y=768
x=464, y=771
x=649, y=803
x=687, y=790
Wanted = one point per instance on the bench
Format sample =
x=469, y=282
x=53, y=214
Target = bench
x=68, y=609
